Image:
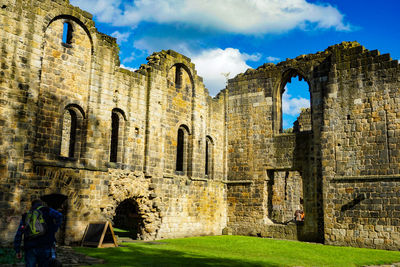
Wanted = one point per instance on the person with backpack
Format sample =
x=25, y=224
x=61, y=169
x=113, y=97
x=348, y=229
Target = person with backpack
x=38, y=227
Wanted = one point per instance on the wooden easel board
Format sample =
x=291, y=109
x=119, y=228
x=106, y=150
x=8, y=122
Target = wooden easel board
x=100, y=235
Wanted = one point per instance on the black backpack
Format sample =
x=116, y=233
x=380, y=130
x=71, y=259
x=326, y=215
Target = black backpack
x=35, y=224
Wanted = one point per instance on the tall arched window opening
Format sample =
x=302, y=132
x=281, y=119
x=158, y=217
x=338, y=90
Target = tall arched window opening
x=292, y=108
x=117, y=123
x=209, y=157
x=178, y=77
x=71, y=129
x=114, y=137
x=180, y=150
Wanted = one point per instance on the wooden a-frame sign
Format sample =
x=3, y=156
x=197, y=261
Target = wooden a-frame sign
x=100, y=235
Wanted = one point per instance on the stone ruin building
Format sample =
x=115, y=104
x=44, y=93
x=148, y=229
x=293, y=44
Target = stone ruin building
x=151, y=150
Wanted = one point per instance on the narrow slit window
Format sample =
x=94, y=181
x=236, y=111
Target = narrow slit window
x=208, y=170
x=180, y=150
x=114, y=137
x=117, y=132
x=207, y=158
x=72, y=134
x=69, y=133
x=178, y=77
x=67, y=33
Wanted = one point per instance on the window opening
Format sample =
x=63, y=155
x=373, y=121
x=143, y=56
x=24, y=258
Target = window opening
x=72, y=134
x=114, y=136
x=207, y=171
x=180, y=150
x=67, y=33
x=209, y=157
x=295, y=108
x=69, y=133
x=178, y=77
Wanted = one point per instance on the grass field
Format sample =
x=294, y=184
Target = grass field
x=237, y=251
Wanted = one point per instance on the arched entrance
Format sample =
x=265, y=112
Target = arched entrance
x=128, y=220
x=58, y=202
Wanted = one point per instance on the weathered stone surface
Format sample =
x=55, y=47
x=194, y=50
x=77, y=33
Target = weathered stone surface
x=76, y=126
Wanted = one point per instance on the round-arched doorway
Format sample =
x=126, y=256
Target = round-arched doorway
x=58, y=202
x=128, y=221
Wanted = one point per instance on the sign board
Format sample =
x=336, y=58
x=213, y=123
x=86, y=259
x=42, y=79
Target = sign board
x=100, y=235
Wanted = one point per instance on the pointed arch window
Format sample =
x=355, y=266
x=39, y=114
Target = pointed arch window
x=209, y=157
x=289, y=97
x=71, y=131
x=117, y=126
x=182, y=149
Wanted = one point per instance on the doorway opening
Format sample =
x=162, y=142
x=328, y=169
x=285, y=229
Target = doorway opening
x=128, y=221
x=58, y=202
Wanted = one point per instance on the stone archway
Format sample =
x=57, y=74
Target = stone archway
x=128, y=218
x=131, y=197
x=58, y=202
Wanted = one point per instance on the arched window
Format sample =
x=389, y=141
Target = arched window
x=181, y=77
x=67, y=33
x=181, y=149
x=178, y=77
x=117, y=126
x=71, y=129
x=292, y=106
x=209, y=157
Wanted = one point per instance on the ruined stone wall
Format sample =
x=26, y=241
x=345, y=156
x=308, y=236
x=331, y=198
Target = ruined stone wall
x=361, y=165
x=303, y=122
x=286, y=195
x=76, y=125
x=254, y=123
x=61, y=103
x=347, y=157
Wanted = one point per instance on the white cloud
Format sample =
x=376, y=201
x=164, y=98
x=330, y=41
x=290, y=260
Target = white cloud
x=104, y=10
x=130, y=58
x=213, y=64
x=121, y=37
x=235, y=16
x=252, y=57
x=272, y=59
x=128, y=68
x=292, y=105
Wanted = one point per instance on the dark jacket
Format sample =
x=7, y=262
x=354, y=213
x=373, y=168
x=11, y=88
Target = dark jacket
x=53, y=221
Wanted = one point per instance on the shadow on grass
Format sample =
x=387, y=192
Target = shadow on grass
x=147, y=255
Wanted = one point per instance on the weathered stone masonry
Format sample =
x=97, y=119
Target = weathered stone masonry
x=77, y=127
x=347, y=160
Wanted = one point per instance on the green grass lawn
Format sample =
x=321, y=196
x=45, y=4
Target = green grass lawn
x=237, y=251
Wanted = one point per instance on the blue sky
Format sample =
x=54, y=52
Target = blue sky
x=222, y=36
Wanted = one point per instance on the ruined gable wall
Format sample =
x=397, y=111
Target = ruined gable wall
x=348, y=162
x=360, y=162
x=254, y=106
x=41, y=78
